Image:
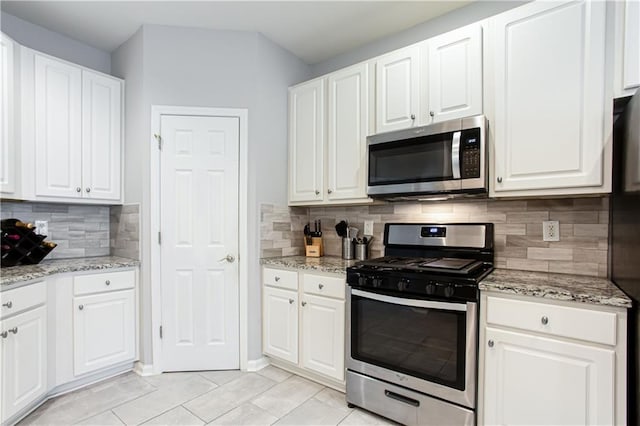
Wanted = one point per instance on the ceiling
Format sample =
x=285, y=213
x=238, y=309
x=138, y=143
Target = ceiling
x=312, y=30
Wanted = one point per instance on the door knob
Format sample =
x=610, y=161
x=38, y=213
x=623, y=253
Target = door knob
x=490, y=343
x=13, y=330
x=228, y=258
x=9, y=304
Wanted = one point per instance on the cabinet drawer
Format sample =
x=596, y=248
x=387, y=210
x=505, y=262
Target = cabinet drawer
x=280, y=278
x=22, y=298
x=324, y=286
x=563, y=321
x=107, y=281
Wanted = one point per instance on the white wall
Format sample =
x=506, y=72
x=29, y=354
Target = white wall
x=47, y=41
x=474, y=12
x=198, y=67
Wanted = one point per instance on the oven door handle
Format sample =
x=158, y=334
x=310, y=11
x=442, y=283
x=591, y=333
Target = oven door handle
x=443, y=306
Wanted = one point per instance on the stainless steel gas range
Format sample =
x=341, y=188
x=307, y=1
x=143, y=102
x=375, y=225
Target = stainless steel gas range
x=412, y=323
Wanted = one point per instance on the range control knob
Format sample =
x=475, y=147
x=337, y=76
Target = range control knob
x=403, y=284
x=362, y=280
x=449, y=290
x=377, y=282
x=430, y=288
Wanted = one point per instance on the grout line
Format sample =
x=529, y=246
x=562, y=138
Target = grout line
x=196, y=416
x=117, y=417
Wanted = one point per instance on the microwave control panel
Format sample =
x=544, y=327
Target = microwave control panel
x=470, y=154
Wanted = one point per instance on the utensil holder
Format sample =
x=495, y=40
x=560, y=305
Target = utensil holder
x=362, y=251
x=348, y=251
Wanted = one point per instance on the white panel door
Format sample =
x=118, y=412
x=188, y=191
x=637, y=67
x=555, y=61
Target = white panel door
x=199, y=225
x=549, y=71
x=323, y=335
x=58, y=115
x=397, y=90
x=101, y=136
x=280, y=323
x=631, y=53
x=7, y=127
x=540, y=381
x=306, y=142
x=455, y=74
x=347, y=128
x=24, y=360
x=103, y=330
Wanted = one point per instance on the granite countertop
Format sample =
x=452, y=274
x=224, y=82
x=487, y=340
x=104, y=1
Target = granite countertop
x=577, y=288
x=331, y=264
x=15, y=274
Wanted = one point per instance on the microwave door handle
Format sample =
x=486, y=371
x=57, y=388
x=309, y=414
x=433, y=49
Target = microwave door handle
x=455, y=155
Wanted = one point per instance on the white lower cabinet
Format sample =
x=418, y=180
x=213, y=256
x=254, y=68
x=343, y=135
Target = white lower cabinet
x=305, y=326
x=323, y=335
x=280, y=323
x=103, y=330
x=24, y=360
x=549, y=362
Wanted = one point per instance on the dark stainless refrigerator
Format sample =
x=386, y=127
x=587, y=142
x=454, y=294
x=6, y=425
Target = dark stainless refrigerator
x=624, y=235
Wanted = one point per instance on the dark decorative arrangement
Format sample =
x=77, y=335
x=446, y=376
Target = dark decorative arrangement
x=21, y=245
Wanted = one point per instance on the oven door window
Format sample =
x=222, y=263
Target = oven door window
x=423, y=159
x=421, y=342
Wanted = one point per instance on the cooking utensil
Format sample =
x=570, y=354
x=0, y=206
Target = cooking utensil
x=342, y=229
x=353, y=232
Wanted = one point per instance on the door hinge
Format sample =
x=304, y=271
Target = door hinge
x=159, y=139
x=159, y=237
x=161, y=332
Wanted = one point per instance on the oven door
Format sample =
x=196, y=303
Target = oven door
x=424, y=345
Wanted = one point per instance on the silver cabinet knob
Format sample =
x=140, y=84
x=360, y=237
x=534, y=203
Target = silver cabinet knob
x=13, y=330
x=81, y=307
x=304, y=303
x=544, y=320
x=431, y=113
x=320, y=286
x=277, y=279
x=291, y=301
x=317, y=192
x=499, y=179
x=490, y=343
x=107, y=282
x=329, y=191
x=78, y=189
x=88, y=189
x=228, y=258
x=9, y=304
x=4, y=334
x=413, y=116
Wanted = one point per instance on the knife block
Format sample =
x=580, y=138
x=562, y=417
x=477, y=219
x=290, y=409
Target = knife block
x=316, y=249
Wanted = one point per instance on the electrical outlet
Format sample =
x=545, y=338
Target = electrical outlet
x=551, y=230
x=42, y=227
x=368, y=227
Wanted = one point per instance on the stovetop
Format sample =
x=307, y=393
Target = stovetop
x=440, y=265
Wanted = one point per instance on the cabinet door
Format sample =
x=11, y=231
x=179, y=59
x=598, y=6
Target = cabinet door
x=323, y=326
x=631, y=52
x=455, y=74
x=397, y=90
x=101, y=136
x=535, y=380
x=103, y=330
x=24, y=360
x=306, y=142
x=58, y=115
x=280, y=323
x=7, y=127
x=549, y=94
x=348, y=113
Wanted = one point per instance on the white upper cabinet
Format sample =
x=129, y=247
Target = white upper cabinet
x=7, y=125
x=58, y=136
x=397, y=89
x=454, y=74
x=627, y=47
x=71, y=132
x=306, y=142
x=551, y=116
x=347, y=128
x=101, y=135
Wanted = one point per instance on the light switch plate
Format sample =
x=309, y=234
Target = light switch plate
x=368, y=227
x=551, y=230
x=42, y=227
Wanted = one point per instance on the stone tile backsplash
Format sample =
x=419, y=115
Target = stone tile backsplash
x=125, y=231
x=79, y=230
x=582, y=249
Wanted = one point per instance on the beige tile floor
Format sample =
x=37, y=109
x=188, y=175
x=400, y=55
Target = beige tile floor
x=269, y=396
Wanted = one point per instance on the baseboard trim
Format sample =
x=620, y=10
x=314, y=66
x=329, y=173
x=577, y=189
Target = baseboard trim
x=257, y=364
x=143, y=369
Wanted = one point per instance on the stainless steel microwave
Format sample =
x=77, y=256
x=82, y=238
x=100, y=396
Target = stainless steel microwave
x=444, y=159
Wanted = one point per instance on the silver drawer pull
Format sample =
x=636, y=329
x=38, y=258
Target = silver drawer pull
x=4, y=334
x=291, y=301
x=81, y=307
x=13, y=330
x=544, y=320
x=320, y=286
x=107, y=282
x=304, y=303
x=9, y=304
x=277, y=279
x=490, y=343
